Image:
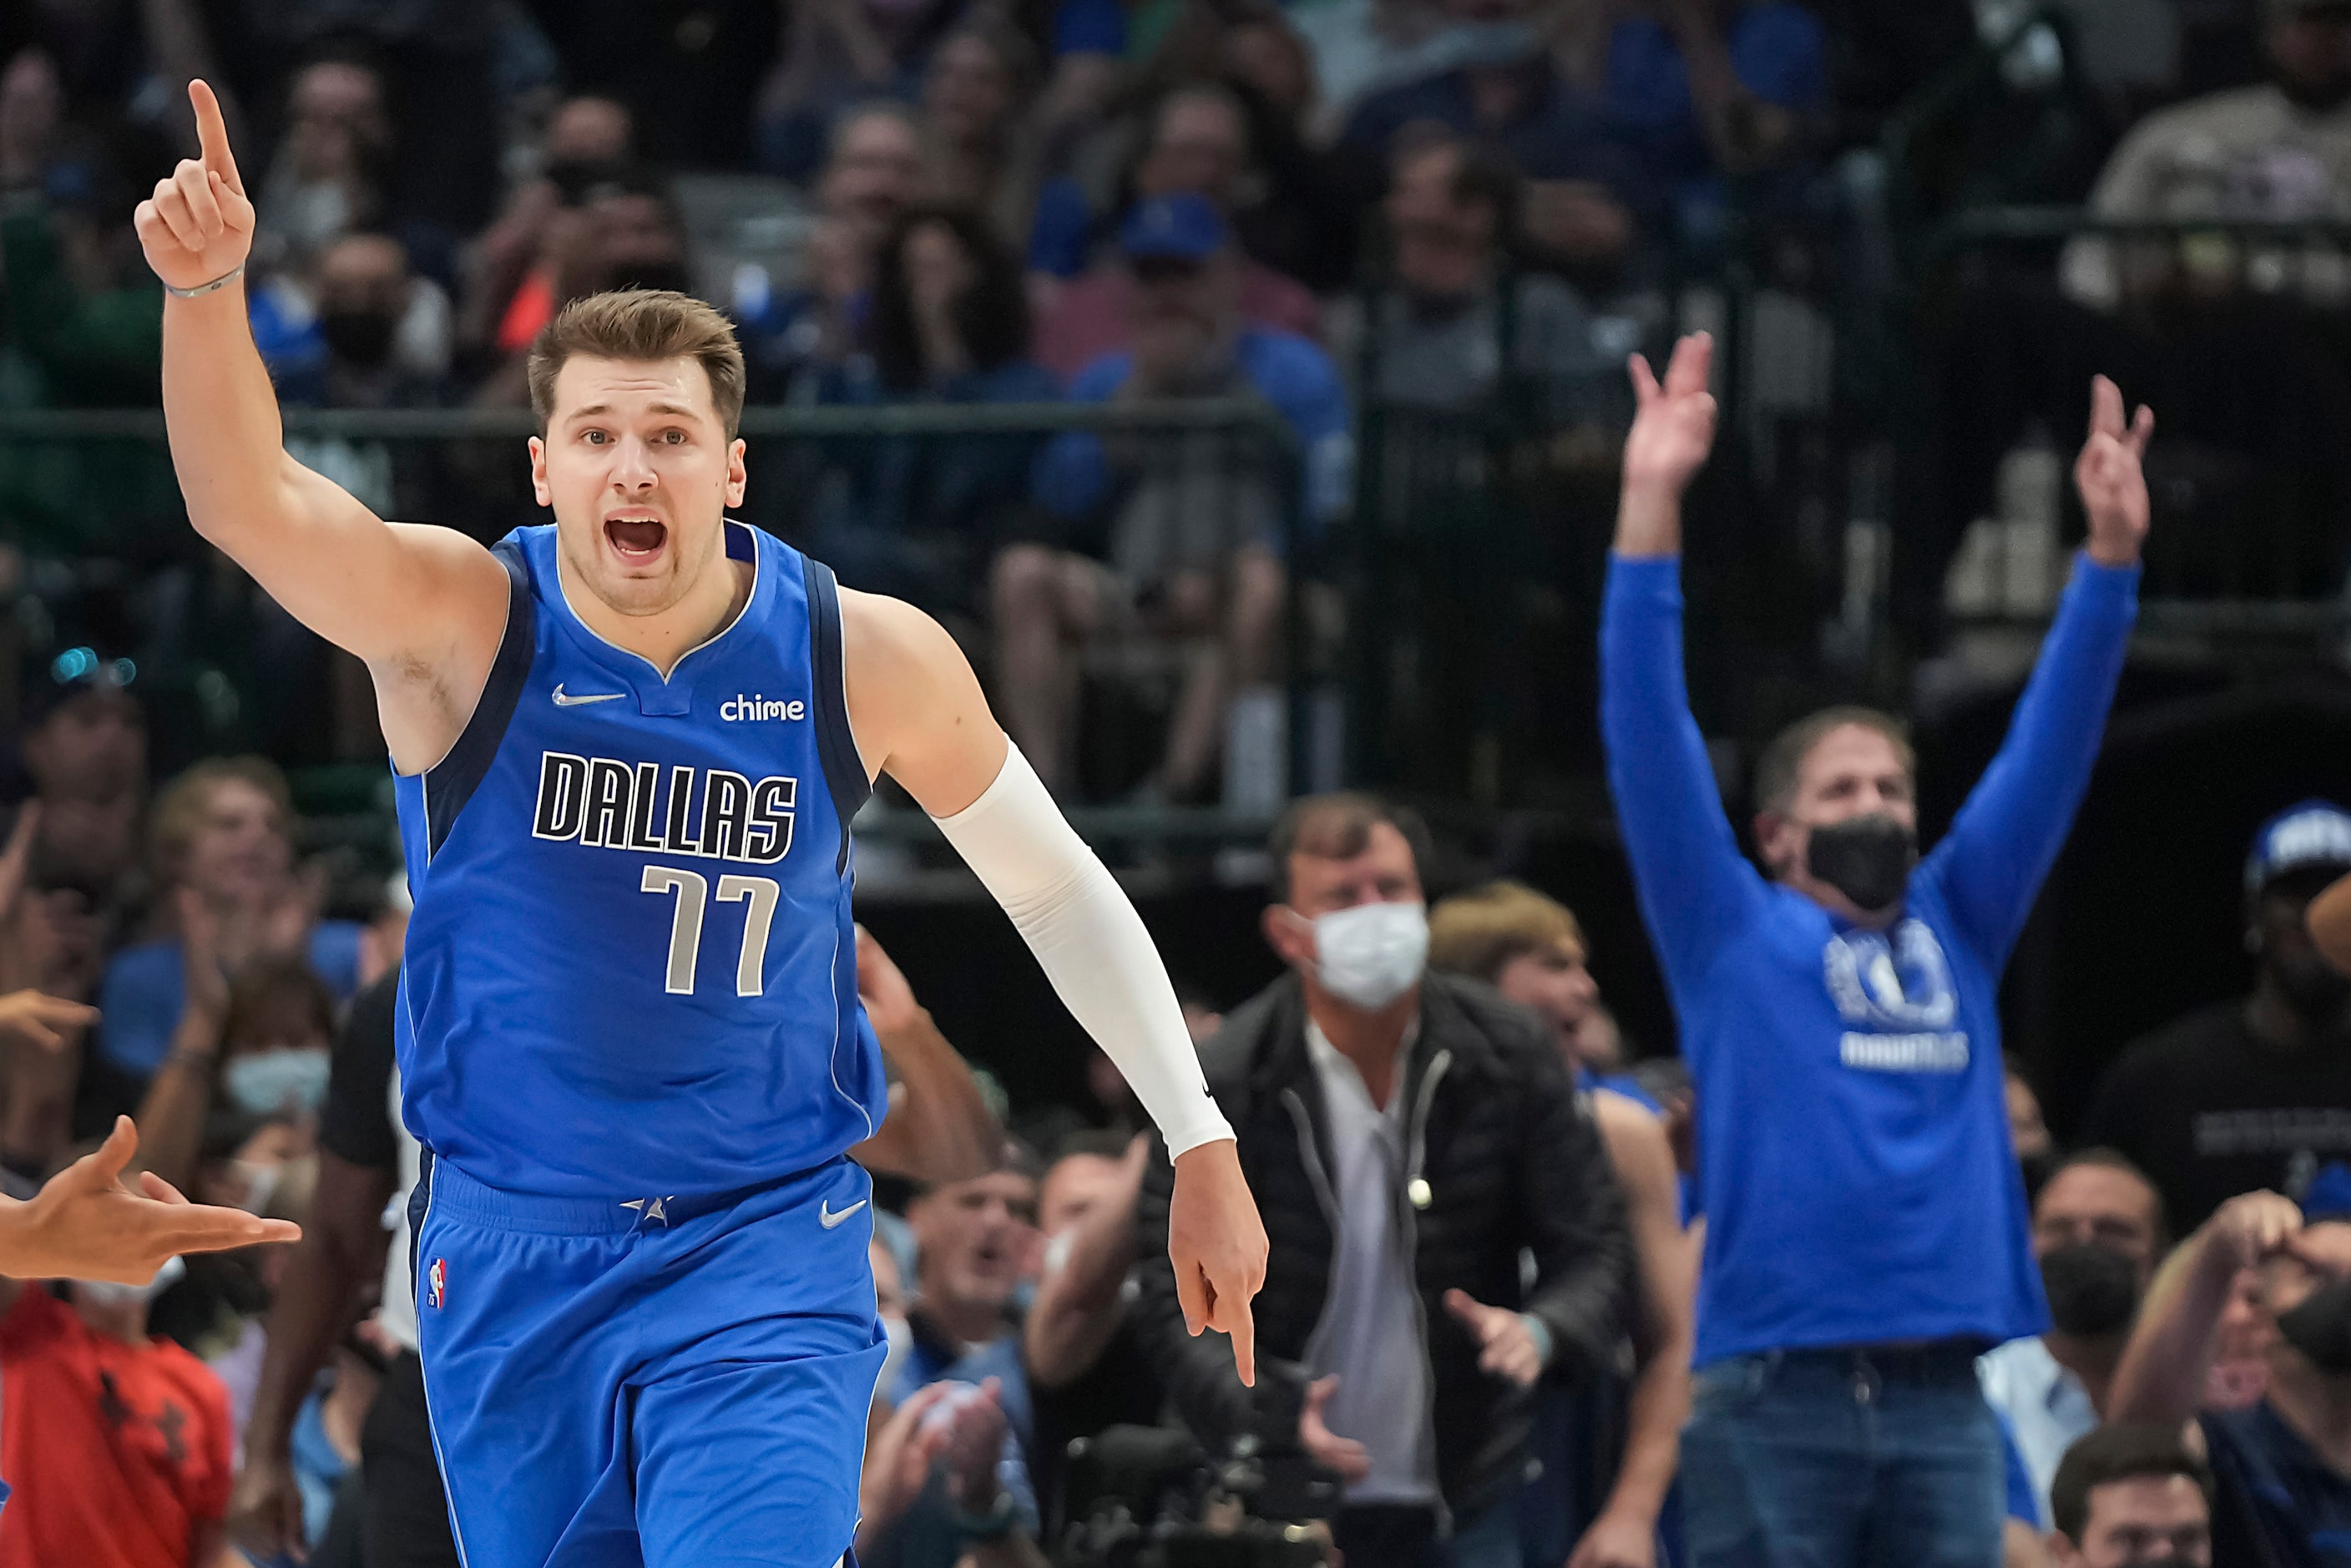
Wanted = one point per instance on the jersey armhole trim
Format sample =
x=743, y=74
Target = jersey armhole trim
x=449, y=783
x=836, y=747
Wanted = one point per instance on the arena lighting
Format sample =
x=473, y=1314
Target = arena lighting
x=75, y=662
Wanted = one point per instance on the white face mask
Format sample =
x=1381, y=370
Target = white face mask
x=106, y=1293
x=267, y=1082
x=1372, y=954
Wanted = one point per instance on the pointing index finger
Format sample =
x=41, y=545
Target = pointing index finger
x=211, y=135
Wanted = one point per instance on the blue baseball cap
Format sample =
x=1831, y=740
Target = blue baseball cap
x=2314, y=833
x=1179, y=227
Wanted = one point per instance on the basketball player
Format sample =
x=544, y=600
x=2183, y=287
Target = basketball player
x=628, y=747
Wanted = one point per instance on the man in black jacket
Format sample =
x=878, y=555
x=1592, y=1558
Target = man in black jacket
x=1407, y=1137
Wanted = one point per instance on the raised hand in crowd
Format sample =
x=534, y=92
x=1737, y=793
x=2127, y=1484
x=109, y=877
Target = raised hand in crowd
x=1672, y=433
x=84, y=1224
x=2109, y=475
x=47, y=1021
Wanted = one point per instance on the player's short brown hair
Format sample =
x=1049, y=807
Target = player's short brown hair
x=640, y=324
x=1480, y=932
x=1781, y=768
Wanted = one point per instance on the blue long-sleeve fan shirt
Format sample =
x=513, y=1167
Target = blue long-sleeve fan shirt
x=1859, y=1184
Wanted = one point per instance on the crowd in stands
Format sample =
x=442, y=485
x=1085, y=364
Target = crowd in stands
x=1826, y=1287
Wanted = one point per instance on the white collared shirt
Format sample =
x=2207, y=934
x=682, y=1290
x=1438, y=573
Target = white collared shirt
x=1369, y=1334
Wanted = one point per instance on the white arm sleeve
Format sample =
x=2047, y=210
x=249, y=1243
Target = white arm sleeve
x=1092, y=944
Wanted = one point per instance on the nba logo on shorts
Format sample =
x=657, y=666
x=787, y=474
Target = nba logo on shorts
x=436, y=1281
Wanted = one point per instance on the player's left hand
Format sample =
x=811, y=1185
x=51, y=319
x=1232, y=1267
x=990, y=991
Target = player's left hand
x=2109, y=476
x=1217, y=1244
x=1505, y=1346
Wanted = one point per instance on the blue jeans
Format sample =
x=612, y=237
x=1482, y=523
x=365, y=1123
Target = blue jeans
x=1843, y=1458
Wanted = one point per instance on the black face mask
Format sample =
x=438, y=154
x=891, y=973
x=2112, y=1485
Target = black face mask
x=362, y=337
x=2093, y=1289
x=1867, y=859
x=2321, y=1328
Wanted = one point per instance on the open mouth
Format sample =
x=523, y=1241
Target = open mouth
x=636, y=538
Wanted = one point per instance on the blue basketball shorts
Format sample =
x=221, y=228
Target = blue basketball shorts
x=649, y=1382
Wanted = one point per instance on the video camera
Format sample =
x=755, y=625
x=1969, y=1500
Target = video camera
x=1147, y=1496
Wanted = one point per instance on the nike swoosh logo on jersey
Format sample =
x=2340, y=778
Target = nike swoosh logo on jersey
x=562, y=701
x=830, y=1217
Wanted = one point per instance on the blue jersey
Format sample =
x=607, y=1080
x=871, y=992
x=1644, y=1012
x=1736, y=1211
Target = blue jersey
x=631, y=968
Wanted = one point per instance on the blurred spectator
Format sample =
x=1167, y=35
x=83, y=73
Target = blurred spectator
x=2097, y=1231
x=82, y=309
x=975, y=1241
x=2284, y=1465
x=116, y=1444
x=2130, y=1495
x=2280, y=151
x=948, y=322
x=1532, y=949
x=255, y=1049
x=979, y=151
x=873, y=173
x=798, y=344
x=85, y=746
x=366, y=333
x=368, y=1161
x=1086, y=1363
x=1841, y=1022
x=327, y=178
x=1711, y=88
x=223, y=830
x=1198, y=146
x=836, y=52
x=1453, y=212
x=1194, y=524
x=1407, y=1136
x=619, y=228
x=976, y=1244
x=1590, y=185
x=584, y=132
x=2251, y=1093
